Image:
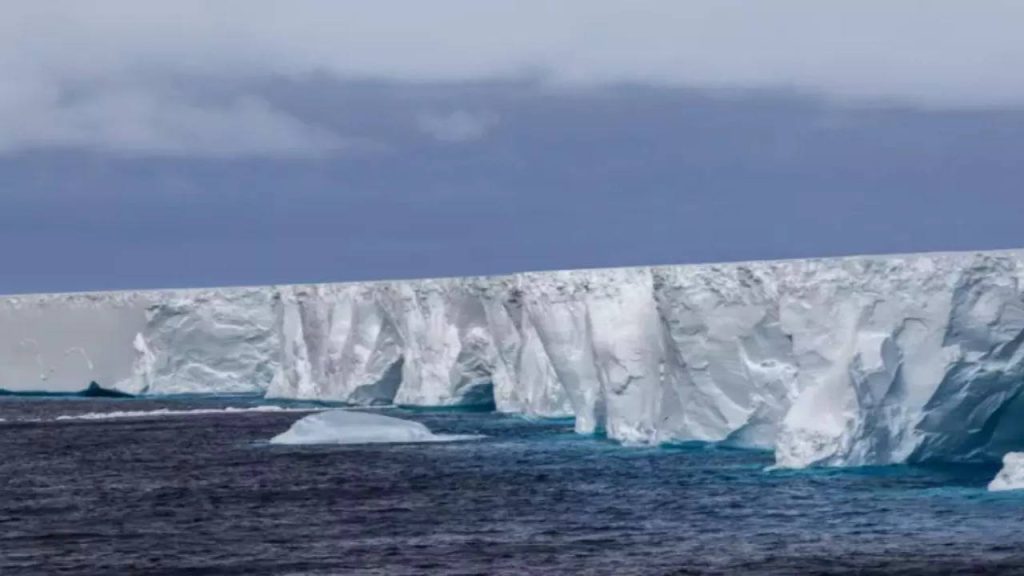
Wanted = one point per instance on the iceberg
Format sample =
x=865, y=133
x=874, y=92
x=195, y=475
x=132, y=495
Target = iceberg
x=1011, y=477
x=863, y=360
x=349, y=427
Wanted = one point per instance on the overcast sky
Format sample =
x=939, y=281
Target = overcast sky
x=199, y=143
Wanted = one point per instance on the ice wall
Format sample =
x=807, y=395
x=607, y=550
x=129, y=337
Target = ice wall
x=156, y=342
x=66, y=341
x=848, y=361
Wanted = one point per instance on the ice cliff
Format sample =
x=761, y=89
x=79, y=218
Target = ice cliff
x=846, y=361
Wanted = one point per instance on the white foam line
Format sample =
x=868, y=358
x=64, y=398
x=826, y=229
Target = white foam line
x=165, y=412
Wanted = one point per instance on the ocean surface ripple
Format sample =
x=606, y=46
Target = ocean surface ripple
x=206, y=494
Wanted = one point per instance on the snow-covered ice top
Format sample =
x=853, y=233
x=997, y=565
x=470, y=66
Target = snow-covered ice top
x=1011, y=477
x=350, y=427
x=839, y=361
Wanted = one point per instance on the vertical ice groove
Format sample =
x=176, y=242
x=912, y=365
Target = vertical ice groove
x=338, y=345
x=556, y=308
x=524, y=380
x=624, y=328
x=841, y=361
x=448, y=350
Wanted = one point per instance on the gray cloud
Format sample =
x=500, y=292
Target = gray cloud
x=148, y=122
x=632, y=175
x=938, y=53
x=456, y=127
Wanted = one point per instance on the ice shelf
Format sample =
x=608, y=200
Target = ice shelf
x=832, y=361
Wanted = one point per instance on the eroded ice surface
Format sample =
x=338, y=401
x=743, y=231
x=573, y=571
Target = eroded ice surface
x=1011, y=477
x=350, y=427
x=843, y=361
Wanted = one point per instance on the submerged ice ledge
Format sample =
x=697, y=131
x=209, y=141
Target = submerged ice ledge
x=844, y=361
x=1011, y=476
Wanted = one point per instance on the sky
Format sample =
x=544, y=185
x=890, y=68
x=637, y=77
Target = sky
x=195, y=143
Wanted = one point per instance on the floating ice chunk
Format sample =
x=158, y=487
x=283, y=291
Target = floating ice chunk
x=1011, y=477
x=347, y=427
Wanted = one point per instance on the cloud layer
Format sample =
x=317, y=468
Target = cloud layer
x=148, y=122
x=102, y=75
x=456, y=127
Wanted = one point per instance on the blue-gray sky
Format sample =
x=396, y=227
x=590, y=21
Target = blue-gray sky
x=196, y=143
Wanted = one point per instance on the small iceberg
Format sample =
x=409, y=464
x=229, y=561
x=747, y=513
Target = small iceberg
x=348, y=427
x=94, y=390
x=1011, y=477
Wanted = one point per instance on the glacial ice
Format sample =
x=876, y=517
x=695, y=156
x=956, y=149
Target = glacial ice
x=1011, y=477
x=350, y=427
x=835, y=361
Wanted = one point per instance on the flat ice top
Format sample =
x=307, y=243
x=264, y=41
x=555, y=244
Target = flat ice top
x=146, y=295
x=348, y=427
x=1011, y=477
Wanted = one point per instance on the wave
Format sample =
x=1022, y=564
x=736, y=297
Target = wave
x=167, y=412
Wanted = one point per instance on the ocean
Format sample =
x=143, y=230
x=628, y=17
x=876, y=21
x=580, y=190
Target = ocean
x=88, y=486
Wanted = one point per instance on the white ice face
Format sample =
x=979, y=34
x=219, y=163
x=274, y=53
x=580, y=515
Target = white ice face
x=1011, y=477
x=171, y=342
x=848, y=361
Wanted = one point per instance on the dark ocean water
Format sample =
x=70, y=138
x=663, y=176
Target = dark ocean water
x=205, y=494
